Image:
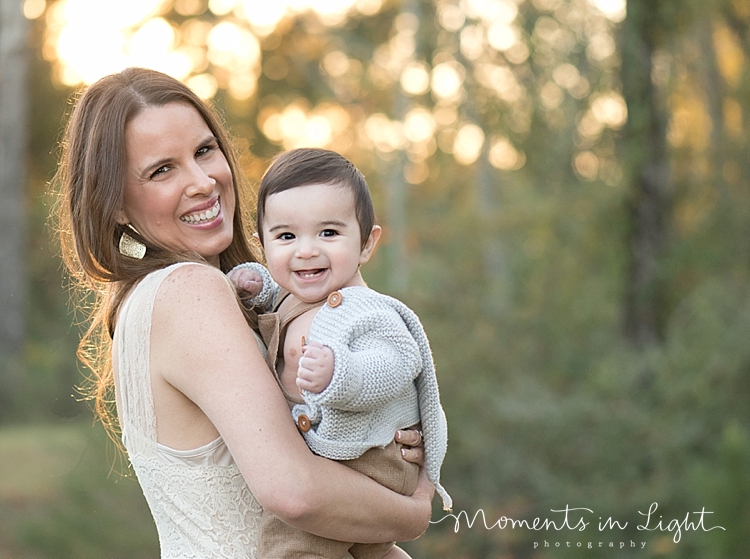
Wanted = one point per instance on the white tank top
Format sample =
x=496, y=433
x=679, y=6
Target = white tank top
x=200, y=502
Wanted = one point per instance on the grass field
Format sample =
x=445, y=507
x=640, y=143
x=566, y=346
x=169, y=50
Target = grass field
x=65, y=493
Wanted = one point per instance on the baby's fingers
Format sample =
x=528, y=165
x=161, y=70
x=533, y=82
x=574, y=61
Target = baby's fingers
x=306, y=380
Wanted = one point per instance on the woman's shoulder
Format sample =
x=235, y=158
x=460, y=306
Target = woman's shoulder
x=184, y=273
x=193, y=287
x=187, y=275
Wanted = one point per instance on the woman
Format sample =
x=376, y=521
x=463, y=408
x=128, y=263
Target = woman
x=150, y=219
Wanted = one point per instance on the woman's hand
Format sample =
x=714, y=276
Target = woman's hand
x=413, y=445
x=423, y=494
x=413, y=451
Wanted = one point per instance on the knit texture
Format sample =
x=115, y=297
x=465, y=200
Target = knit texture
x=383, y=380
x=265, y=300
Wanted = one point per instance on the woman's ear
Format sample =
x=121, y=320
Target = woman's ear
x=370, y=244
x=121, y=218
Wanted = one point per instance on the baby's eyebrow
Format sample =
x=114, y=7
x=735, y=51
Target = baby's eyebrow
x=277, y=227
x=333, y=222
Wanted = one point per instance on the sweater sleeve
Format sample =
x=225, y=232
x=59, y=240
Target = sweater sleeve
x=266, y=299
x=373, y=366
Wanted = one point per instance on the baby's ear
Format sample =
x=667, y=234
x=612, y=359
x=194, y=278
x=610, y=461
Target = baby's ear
x=257, y=241
x=370, y=244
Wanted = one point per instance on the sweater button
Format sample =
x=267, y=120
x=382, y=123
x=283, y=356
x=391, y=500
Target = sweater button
x=303, y=422
x=334, y=299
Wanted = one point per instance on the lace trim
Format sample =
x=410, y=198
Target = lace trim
x=200, y=513
x=214, y=453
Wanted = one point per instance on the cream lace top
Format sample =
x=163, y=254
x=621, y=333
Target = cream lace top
x=200, y=502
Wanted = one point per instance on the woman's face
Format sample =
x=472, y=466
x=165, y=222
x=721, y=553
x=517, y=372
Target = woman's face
x=178, y=184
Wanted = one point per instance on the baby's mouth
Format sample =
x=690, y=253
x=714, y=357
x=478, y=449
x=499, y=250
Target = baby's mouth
x=204, y=216
x=309, y=274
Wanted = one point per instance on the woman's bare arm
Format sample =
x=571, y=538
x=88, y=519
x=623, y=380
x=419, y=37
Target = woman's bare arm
x=201, y=346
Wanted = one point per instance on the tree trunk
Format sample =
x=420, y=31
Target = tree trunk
x=396, y=202
x=398, y=194
x=494, y=261
x=648, y=165
x=13, y=134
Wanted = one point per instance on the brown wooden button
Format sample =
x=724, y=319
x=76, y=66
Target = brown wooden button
x=303, y=422
x=334, y=299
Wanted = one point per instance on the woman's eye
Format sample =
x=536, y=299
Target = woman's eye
x=206, y=149
x=161, y=170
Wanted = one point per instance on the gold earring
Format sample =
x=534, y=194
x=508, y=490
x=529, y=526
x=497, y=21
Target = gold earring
x=130, y=247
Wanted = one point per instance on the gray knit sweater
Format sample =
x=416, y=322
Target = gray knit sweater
x=383, y=379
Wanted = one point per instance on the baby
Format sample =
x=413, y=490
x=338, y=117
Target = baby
x=354, y=364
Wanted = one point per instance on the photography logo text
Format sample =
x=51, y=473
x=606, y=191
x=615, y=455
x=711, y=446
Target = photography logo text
x=601, y=531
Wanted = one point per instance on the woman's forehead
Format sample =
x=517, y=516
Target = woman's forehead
x=166, y=125
x=160, y=118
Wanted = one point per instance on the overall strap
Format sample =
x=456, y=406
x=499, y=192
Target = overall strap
x=273, y=328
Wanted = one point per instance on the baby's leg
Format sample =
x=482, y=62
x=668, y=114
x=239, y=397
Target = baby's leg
x=375, y=551
x=396, y=553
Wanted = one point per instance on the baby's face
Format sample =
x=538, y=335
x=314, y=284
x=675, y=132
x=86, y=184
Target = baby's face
x=312, y=240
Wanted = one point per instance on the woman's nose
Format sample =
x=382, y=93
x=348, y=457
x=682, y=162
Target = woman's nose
x=200, y=182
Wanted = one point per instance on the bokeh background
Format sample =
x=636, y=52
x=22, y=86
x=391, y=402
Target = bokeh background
x=564, y=190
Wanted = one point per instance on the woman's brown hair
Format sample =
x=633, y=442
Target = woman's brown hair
x=90, y=182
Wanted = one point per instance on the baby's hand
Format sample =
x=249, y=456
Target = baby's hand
x=247, y=280
x=315, y=368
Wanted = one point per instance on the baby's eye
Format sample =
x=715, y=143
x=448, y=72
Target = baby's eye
x=286, y=237
x=328, y=233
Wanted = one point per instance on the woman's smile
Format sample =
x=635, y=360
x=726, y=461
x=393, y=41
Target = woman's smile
x=203, y=215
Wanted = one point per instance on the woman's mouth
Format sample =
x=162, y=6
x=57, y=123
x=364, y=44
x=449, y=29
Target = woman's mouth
x=203, y=216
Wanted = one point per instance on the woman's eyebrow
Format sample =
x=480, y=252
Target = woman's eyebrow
x=209, y=139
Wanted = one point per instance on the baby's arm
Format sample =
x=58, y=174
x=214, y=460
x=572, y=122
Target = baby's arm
x=374, y=368
x=254, y=281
